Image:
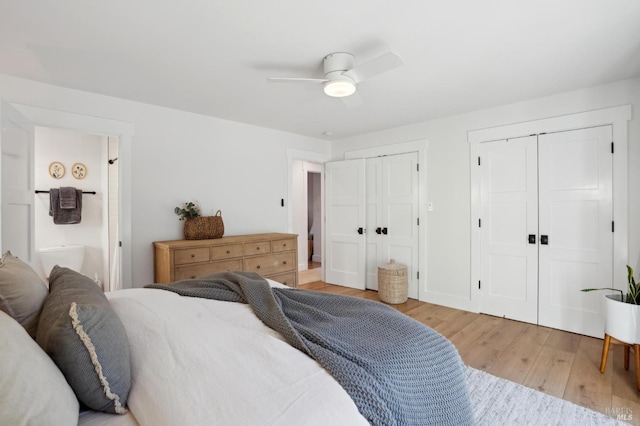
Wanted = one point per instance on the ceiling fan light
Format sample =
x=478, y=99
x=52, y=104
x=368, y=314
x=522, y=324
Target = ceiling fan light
x=339, y=88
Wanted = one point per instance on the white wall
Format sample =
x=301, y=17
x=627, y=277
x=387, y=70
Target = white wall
x=179, y=156
x=69, y=147
x=448, y=187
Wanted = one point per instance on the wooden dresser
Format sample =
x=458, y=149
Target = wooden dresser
x=272, y=255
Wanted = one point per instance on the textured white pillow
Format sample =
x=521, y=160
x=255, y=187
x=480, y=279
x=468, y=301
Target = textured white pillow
x=33, y=391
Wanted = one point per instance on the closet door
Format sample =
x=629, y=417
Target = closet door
x=345, y=223
x=400, y=214
x=375, y=238
x=509, y=228
x=392, y=215
x=576, y=241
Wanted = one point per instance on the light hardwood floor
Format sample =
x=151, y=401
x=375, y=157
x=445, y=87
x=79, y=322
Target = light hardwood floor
x=555, y=362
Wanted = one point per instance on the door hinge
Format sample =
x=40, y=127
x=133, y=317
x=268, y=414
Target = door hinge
x=613, y=226
x=479, y=285
x=418, y=275
x=418, y=221
x=120, y=243
x=479, y=223
x=612, y=147
x=417, y=167
x=478, y=161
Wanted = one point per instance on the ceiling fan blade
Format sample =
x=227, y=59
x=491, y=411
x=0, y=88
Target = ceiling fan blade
x=352, y=101
x=376, y=66
x=295, y=80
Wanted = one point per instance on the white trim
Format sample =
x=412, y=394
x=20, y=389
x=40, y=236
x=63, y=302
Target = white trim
x=615, y=116
x=108, y=127
x=420, y=146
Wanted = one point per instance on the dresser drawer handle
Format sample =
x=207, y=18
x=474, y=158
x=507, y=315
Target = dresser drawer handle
x=193, y=276
x=193, y=255
x=258, y=267
x=284, y=245
x=284, y=262
x=228, y=251
x=258, y=248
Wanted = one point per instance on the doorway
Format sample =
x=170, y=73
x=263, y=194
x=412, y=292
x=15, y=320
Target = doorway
x=306, y=214
x=99, y=213
x=314, y=219
x=122, y=135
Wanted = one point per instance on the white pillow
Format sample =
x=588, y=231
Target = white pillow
x=33, y=391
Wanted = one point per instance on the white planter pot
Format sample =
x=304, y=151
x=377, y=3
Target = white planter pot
x=621, y=320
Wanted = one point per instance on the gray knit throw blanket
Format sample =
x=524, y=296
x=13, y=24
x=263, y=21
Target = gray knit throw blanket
x=397, y=370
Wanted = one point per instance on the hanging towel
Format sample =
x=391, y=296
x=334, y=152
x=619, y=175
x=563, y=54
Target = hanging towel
x=64, y=216
x=68, y=197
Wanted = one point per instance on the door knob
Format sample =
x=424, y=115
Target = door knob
x=378, y=230
x=544, y=239
x=360, y=231
x=384, y=231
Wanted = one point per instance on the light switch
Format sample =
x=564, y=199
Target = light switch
x=430, y=206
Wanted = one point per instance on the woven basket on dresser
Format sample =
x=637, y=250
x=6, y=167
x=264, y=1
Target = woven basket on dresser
x=204, y=227
x=393, y=283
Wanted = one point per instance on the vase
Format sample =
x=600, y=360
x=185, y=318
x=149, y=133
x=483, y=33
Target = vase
x=621, y=319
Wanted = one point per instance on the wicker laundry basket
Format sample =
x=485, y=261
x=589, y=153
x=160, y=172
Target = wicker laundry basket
x=393, y=283
x=204, y=227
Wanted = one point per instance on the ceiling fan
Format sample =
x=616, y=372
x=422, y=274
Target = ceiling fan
x=341, y=75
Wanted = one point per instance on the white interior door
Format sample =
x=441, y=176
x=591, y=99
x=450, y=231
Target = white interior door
x=509, y=215
x=400, y=214
x=17, y=190
x=576, y=222
x=374, y=234
x=345, y=223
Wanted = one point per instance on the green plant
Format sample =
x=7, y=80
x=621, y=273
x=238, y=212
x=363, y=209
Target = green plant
x=633, y=295
x=188, y=211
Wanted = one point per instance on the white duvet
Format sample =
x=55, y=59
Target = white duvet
x=205, y=362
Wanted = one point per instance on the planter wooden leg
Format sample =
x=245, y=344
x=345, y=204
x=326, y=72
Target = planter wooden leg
x=636, y=352
x=626, y=357
x=605, y=352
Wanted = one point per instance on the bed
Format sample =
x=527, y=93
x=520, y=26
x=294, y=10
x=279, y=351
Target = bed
x=188, y=360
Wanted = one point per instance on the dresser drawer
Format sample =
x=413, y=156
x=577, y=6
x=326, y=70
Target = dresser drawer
x=194, y=271
x=288, y=278
x=259, y=247
x=226, y=252
x=191, y=255
x=271, y=264
x=283, y=245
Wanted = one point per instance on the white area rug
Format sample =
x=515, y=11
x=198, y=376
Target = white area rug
x=497, y=401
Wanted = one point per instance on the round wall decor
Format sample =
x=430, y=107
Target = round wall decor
x=56, y=170
x=79, y=171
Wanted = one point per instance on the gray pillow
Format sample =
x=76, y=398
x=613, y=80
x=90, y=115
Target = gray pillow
x=34, y=391
x=86, y=339
x=22, y=292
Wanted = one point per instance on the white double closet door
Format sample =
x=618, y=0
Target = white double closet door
x=371, y=217
x=546, y=227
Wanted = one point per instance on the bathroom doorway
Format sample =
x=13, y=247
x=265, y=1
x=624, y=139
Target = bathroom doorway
x=314, y=219
x=87, y=162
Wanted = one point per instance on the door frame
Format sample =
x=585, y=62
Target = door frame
x=617, y=117
x=101, y=126
x=420, y=146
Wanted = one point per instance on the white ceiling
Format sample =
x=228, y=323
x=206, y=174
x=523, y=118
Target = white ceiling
x=213, y=57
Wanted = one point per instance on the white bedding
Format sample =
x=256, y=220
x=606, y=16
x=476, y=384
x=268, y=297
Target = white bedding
x=204, y=362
